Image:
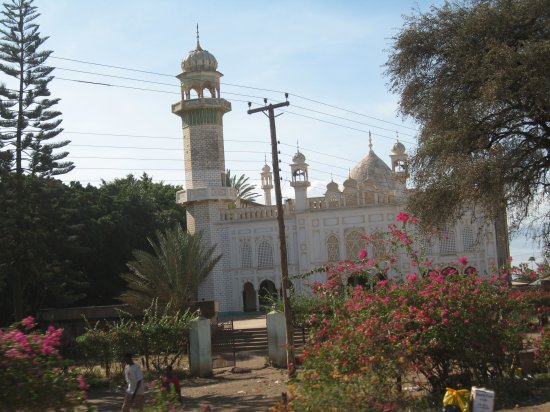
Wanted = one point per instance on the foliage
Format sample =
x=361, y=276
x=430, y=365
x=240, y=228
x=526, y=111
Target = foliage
x=369, y=339
x=116, y=219
x=27, y=109
x=245, y=191
x=474, y=76
x=39, y=247
x=32, y=374
x=172, y=273
x=543, y=351
x=163, y=400
x=29, y=122
x=160, y=337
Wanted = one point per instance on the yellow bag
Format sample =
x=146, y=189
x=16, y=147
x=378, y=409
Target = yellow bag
x=460, y=398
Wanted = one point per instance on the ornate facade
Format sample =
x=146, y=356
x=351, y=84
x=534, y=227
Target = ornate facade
x=319, y=229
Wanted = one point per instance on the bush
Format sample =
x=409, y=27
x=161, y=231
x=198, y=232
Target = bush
x=431, y=327
x=160, y=338
x=33, y=376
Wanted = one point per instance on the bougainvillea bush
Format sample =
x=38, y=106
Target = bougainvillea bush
x=33, y=376
x=429, y=328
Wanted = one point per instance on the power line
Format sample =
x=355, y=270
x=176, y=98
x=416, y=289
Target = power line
x=230, y=93
x=242, y=86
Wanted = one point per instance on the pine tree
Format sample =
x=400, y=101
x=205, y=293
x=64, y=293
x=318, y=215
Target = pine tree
x=28, y=123
x=27, y=117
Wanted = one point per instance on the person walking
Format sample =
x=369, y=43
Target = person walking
x=135, y=393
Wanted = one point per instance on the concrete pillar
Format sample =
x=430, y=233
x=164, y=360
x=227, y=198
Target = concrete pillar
x=200, y=348
x=276, y=339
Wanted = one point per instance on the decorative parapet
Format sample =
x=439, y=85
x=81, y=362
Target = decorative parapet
x=341, y=200
x=251, y=213
x=206, y=193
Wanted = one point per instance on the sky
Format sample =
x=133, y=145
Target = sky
x=328, y=55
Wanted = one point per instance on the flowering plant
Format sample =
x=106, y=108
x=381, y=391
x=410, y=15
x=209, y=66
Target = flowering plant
x=430, y=327
x=33, y=376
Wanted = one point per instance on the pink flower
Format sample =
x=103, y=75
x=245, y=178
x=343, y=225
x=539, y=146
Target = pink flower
x=28, y=322
x=402, y=217
x=463, y=260
x=362, y=254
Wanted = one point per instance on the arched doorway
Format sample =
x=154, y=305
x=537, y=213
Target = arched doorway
x=249, y=298
x=267, y=294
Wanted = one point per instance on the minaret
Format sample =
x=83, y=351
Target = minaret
x=300, y=181
x=267, y=183
x=205, y=190
x=399, y=161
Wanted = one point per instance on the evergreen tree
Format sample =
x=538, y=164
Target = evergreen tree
x=26, y=110
x=29, y=123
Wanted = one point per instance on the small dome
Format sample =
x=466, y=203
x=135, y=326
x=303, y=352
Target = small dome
x=266, y=168
x=298, y=158
x=398, y=148
x=332, y=187
x=350, y=183
x=198, y=60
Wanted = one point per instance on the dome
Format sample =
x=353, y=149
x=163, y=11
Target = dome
x=298, y=158
x=350, y=183
x=199, y=59
x=398, y=148
x=266, y=168
x=373, y=169
x=332, y=187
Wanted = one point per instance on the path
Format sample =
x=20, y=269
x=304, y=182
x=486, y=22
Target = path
x=249, y=387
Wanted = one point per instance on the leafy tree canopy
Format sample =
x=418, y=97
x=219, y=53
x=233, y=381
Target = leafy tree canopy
x=475, y=75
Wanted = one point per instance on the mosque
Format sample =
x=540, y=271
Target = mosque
x=322, y=229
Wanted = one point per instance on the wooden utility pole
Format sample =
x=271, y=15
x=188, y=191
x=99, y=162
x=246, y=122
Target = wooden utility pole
x=282, y=236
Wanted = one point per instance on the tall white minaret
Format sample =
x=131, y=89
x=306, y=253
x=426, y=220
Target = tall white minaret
x=201, y=110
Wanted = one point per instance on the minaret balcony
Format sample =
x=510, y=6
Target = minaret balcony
x=184, y=106
x=206, y=193
x=300, y=183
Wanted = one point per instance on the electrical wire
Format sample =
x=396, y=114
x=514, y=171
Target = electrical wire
x=241, y=86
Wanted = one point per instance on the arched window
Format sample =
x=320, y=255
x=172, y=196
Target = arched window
x=333, y=249
x=468, y=239
x=354, y=244
x=378, y=245
x=265, y=255
x=447, y=242
x=246, y=254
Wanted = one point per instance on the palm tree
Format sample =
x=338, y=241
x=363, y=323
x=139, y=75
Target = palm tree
x=245, y=191
x=172, y=273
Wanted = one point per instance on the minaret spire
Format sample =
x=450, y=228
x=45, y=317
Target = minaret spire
x=198, y=44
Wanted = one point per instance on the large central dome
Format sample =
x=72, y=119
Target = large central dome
x=373, y=171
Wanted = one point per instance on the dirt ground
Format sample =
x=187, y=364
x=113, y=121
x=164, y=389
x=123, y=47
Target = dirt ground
x=249, y=387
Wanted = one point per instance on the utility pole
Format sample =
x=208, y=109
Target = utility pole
x=282, y=236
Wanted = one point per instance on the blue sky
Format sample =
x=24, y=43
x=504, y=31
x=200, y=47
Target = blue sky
x=327, y=51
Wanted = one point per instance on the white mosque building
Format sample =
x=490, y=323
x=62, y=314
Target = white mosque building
x=318, y=229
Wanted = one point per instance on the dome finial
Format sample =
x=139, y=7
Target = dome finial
x=198, y=44
x=370, y=142
x=397, y=135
